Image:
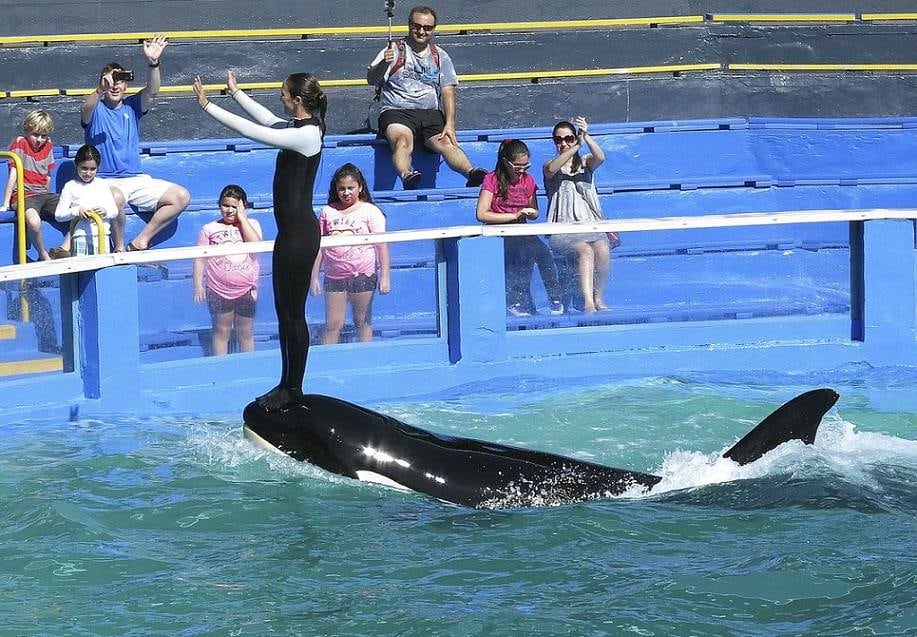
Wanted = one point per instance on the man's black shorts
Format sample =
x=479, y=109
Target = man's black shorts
x=424, y=123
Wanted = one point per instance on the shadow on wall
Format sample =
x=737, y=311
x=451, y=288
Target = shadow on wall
x=385, y=177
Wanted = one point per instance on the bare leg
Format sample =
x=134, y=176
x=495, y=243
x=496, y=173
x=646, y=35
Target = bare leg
x=172, y=203
x=33, y=231
x=602, y=268
x=586, y=269
x=245, y=333
x=401, y=139
x=455, y=157
x=222, y=328
x=361, y=306
x=335, y=306
x=117, y=224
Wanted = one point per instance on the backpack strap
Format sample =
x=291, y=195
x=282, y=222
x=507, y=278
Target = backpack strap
x=399, y=62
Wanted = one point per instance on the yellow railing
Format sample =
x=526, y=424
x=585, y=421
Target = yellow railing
x=480, y=27
x=20, y=202
x=305, y=32
x=102, y=245
x=20, y=227
x=467, y=77
x=24, y=312
x=884, y=67
x=551, y=25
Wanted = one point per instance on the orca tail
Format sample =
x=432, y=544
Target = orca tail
x=797, y=419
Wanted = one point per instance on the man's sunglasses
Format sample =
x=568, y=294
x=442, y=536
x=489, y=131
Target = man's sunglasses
x=423, y=27
x=566, y=138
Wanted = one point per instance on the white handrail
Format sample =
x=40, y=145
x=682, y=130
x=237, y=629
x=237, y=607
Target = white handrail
x=97, y=262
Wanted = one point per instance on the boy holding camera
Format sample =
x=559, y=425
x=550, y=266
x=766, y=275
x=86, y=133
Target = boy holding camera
x=111, y=122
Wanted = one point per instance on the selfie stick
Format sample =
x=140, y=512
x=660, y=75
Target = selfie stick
x=390, y=12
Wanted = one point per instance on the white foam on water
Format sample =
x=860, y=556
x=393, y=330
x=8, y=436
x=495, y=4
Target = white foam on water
x=839, y=448
x=230, y=454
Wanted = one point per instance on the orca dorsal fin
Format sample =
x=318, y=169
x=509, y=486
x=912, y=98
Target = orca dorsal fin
x=797, y=419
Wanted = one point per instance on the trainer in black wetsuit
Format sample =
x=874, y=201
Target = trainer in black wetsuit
x=298, y=236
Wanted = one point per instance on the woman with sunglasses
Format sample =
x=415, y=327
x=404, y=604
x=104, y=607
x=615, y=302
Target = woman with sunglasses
x=508, y=196
x=569, y=180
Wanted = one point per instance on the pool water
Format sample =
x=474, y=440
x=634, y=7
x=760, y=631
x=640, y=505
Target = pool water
x=179, y=526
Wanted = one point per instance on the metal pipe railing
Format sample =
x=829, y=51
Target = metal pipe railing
x=20, y=227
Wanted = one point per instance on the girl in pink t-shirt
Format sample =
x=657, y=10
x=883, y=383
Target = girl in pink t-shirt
x=232, y=280
x=350, y=271
x=508, y=196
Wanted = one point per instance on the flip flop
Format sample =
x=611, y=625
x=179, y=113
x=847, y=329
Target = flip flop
x=132, y=248
x=475, y=178
x=412, y=180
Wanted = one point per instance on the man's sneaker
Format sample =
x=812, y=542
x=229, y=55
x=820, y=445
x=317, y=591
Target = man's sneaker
x=475, y=177
x=557, y=307
x=517, y=310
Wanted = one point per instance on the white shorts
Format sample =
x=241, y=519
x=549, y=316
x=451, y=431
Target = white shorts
x=141, y=191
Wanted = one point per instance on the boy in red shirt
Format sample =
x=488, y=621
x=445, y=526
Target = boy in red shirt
x=36, y=152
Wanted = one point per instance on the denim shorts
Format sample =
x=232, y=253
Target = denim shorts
x=243, y=306
x=354, y=284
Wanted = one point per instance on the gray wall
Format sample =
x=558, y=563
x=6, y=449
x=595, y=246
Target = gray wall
x=519, y=103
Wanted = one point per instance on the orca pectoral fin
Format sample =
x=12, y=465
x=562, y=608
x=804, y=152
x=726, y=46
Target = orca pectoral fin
x=797, y=419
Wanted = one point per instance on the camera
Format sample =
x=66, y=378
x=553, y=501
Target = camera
x=122, y=76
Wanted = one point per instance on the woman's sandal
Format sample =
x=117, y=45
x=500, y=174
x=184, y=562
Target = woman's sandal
x=58, y=253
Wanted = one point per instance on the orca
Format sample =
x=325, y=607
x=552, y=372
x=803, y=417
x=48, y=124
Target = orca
x=359, y=443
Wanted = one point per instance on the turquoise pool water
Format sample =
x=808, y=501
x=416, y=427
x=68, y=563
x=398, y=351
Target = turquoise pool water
x=179, y=526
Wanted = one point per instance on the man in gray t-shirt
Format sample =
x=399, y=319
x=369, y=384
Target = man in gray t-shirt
x=417, y=82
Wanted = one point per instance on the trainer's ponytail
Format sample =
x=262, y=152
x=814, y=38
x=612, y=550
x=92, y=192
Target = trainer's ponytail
x=306, y=87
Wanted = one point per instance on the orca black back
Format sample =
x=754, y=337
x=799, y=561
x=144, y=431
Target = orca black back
x=359, y=443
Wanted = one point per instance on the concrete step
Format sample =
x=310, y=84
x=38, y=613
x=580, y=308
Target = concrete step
x=41, y=364
x=17, y=340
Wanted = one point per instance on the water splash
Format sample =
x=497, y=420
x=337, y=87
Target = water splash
x=872, y=465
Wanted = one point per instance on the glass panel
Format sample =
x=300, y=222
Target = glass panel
x=673, y=277
x=31, y=334
x=409, y=310
x=690, y=275
x=176, y=324
x=173, y=326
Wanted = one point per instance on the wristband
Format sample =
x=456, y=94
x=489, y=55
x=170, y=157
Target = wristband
x=153, y=66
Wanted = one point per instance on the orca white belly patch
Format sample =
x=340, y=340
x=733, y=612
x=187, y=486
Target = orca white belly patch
x=372, y=476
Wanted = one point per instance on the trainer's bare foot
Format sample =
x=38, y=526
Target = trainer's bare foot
x=600, y=305
x=279, y=398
